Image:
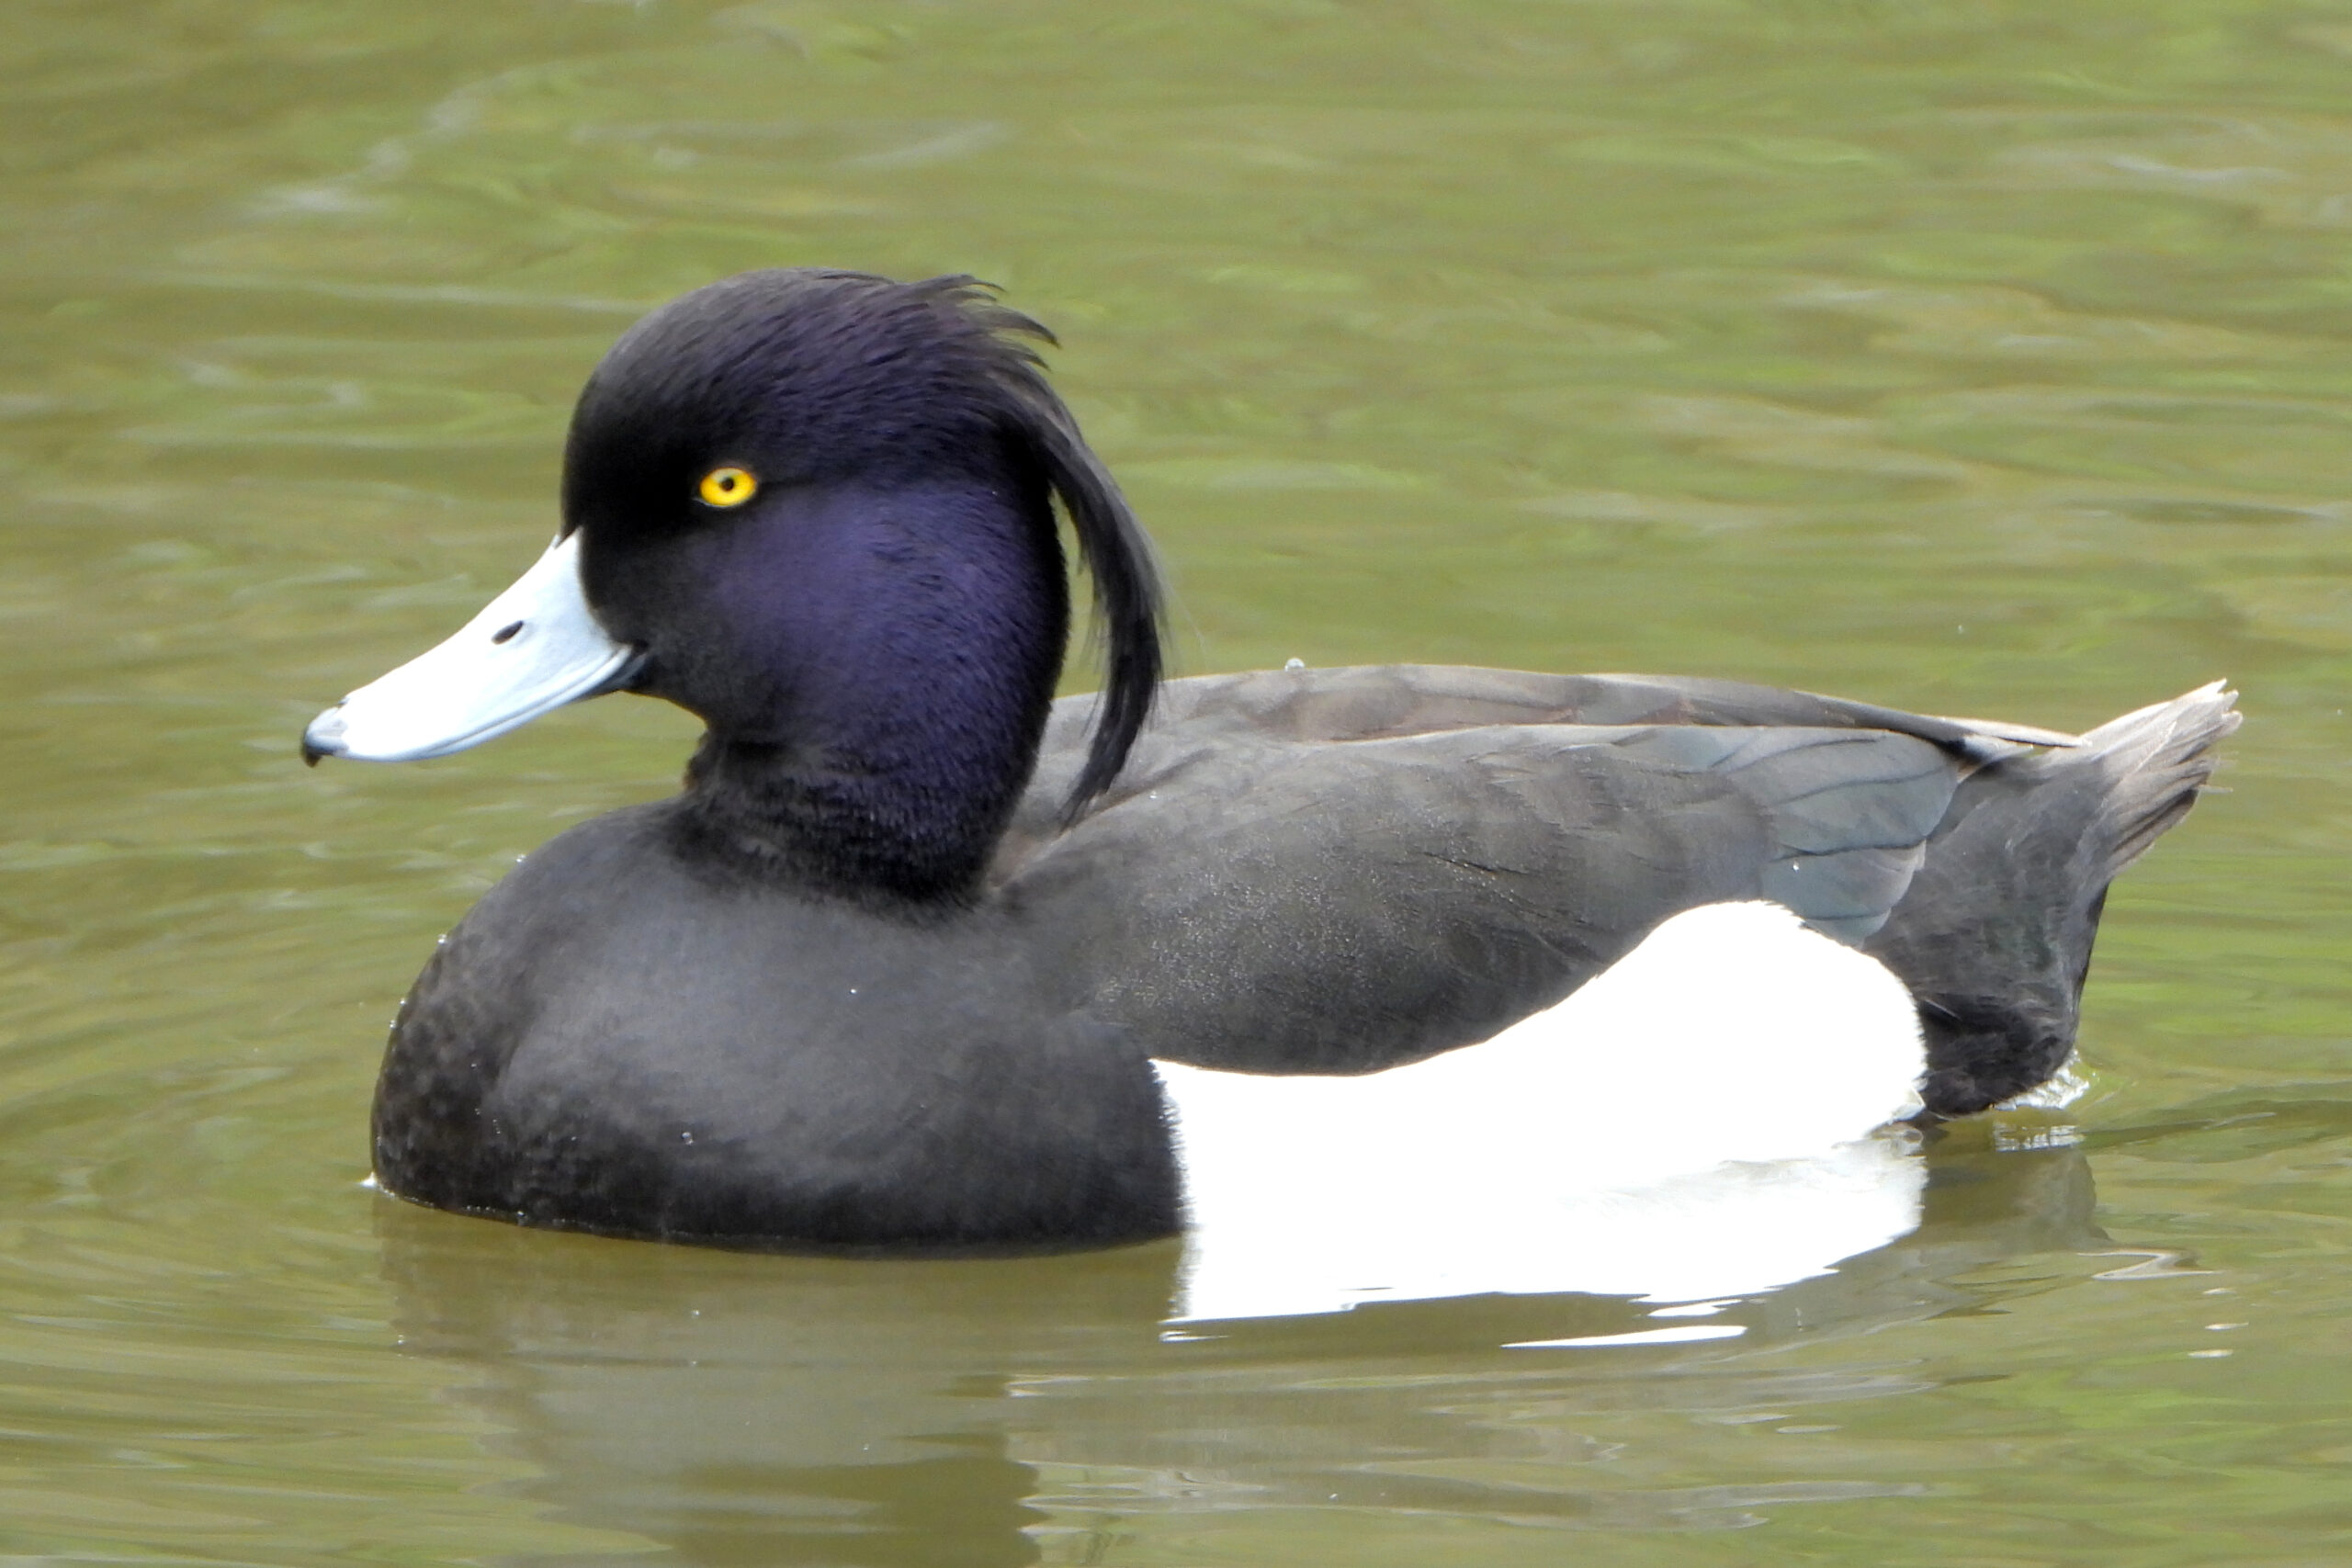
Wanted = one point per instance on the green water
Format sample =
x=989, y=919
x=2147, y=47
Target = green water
x=1981, y=357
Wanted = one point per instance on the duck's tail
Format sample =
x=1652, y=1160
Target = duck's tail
x=1994, y=934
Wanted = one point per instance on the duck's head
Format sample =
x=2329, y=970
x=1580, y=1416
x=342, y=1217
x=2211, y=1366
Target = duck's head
x=816, y=510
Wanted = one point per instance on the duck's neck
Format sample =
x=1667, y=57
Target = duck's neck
x=909, y=656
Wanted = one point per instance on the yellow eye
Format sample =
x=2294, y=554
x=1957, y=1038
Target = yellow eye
x=727, y=487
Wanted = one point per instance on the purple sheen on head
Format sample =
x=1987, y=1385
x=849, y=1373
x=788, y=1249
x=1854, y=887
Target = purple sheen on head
x=830, y=385
x=875, y=667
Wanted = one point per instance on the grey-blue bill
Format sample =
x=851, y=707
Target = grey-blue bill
x=533, y=648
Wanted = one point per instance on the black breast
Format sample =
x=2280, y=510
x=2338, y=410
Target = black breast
x=617, y=1039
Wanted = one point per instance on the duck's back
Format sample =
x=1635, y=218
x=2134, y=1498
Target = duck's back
x=1340, y=871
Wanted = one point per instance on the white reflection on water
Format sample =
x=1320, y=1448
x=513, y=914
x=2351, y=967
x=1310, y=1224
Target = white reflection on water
x=1737, y=1230
x=775, y=1409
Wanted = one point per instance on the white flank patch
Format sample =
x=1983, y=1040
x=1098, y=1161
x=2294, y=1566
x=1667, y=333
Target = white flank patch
x=1696, y=1122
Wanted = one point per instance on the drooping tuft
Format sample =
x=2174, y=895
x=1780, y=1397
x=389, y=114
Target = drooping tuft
x=1117, y=554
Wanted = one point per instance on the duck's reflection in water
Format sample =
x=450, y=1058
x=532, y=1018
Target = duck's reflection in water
x=745, y=1409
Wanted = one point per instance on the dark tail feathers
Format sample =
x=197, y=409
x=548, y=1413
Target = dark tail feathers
x=1994, y=934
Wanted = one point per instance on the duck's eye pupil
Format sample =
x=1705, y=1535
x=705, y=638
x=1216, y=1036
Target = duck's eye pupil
x=727, y=487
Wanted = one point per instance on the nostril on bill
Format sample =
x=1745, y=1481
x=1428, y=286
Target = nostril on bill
x=505, y=632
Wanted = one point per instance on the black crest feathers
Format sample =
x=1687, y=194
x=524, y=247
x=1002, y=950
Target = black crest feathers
x=1117, y=555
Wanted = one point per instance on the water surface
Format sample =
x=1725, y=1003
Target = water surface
x=1978, y=357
